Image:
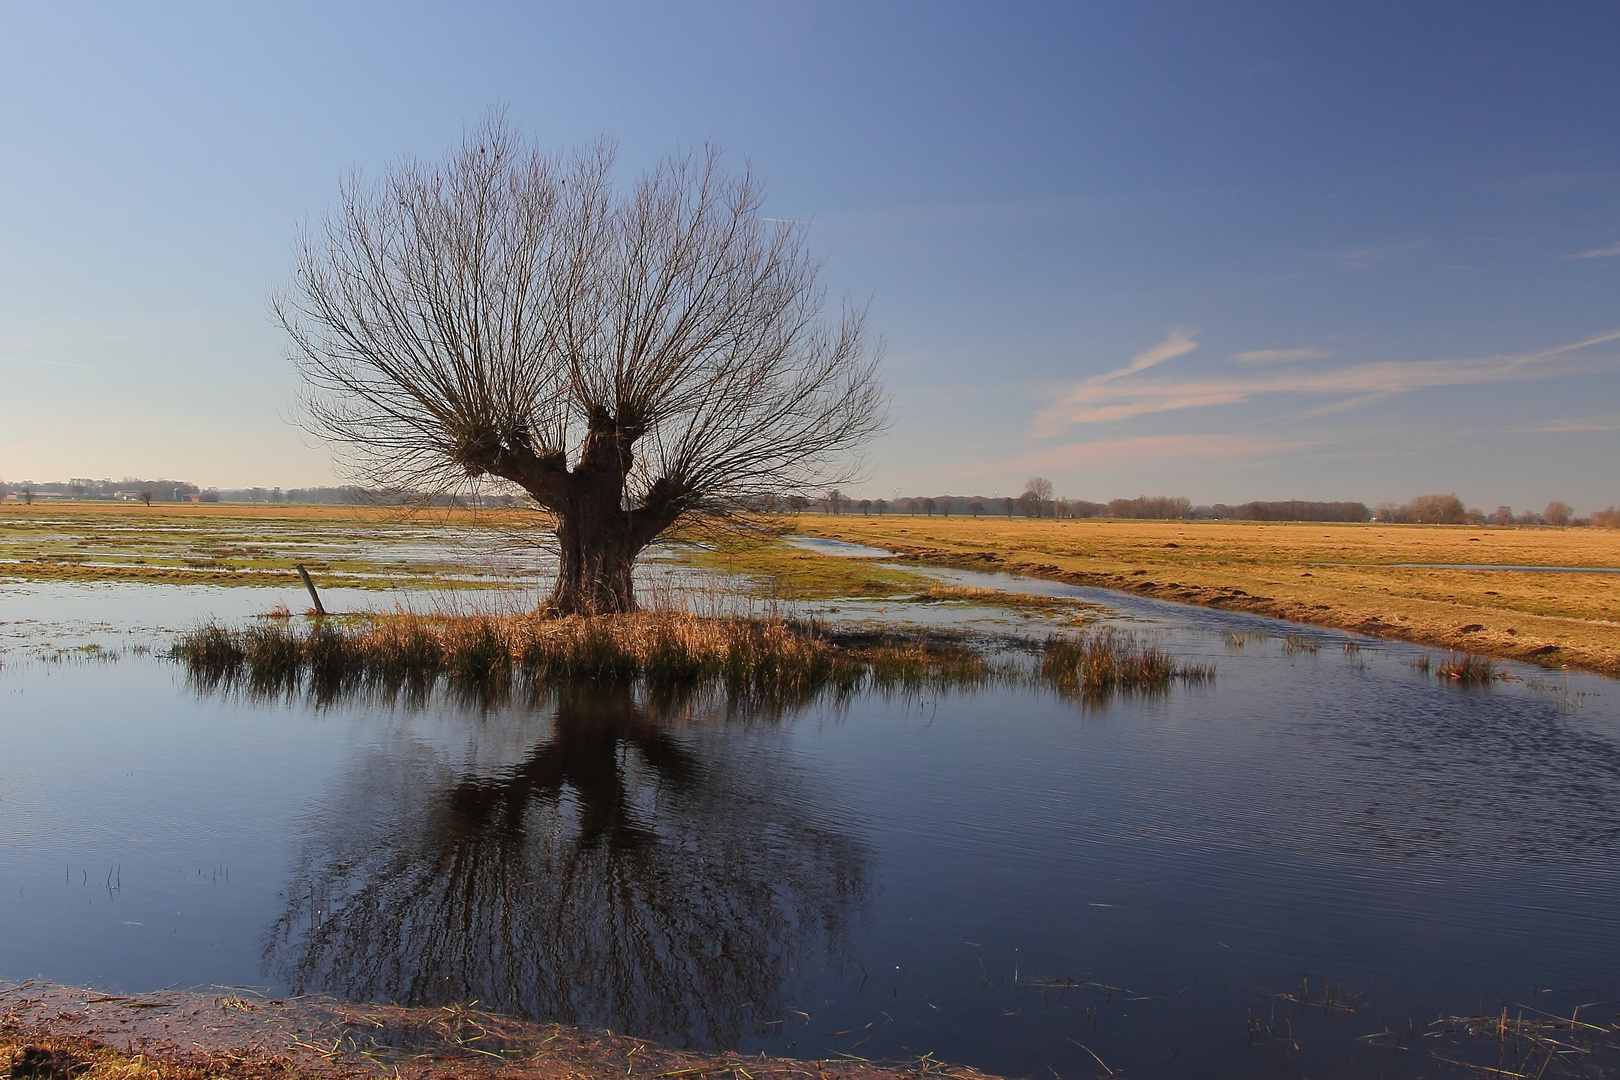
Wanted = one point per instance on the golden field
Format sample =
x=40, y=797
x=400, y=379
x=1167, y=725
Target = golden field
x=1283, y=570
x=1288, y=571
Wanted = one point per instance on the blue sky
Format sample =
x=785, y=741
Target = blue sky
x=1222, y=251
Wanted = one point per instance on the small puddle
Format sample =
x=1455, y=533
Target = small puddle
x=839, y=547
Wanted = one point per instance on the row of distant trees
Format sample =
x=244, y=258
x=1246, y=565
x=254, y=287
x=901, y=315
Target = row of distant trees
x=1036, y=501
x=1449, y=510
x=132, y=489
x=129, y=489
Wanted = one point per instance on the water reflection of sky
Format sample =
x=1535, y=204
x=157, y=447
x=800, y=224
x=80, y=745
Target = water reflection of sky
x=966, y=875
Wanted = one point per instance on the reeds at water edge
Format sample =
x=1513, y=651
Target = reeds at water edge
x=768, y=662
x=1464, y=669
x=1095, y=665
x=1468, y=669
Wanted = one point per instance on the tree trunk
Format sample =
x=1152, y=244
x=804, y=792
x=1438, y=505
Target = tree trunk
x=595, y=561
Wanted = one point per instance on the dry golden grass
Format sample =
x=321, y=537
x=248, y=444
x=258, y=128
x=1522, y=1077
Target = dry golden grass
x=66, y=1032
x=1285, y=570
x=759, y=663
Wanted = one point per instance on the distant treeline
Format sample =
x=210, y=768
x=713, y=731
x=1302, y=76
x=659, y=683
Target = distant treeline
x=1036, y=501
x=129, y=489
x=1425, y=509
x=1293, y=510
x=132, y=489
x=1147, y=507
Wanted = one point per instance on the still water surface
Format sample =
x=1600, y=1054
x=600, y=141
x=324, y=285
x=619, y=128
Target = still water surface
x=996, y=878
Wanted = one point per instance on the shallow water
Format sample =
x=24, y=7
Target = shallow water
x=996, y=878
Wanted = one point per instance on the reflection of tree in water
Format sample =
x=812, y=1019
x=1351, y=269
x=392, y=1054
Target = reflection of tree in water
x=618, y=876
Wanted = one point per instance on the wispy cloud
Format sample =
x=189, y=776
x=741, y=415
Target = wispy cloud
x=1559, y=427
x=1178, y=341
x=1278, y=356
x=1117, y=396
x=1596, y=253
x=1186, y=449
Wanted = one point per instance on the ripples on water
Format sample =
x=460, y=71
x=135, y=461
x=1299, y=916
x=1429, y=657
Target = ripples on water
x=994, y=877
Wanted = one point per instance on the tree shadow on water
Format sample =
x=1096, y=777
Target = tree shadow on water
x=628, y=872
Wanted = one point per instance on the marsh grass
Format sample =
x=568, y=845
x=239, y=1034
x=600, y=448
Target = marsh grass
x=1236, y=639
x=759, y=662
x=1299, y=643
x=1091, y=667
x=1469, y=670
x=1463, y=669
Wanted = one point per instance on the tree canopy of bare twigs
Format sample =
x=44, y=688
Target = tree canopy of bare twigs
x=632, y=359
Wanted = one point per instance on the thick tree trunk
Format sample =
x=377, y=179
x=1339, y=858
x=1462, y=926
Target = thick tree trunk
x=598, y=537
x=595, y=562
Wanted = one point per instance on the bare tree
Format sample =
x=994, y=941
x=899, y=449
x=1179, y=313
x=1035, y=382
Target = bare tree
x=1037, y=494
x=975, y=508
x=1558, y=514
x=882, y=506
x=631, y=360
x=866, y=507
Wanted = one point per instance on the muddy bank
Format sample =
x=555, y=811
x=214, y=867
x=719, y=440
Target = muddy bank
x=47, y=1029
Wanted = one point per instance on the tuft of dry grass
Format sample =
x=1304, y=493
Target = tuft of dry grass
x=1469, y=670
x=1090, y=667
x=760, y=662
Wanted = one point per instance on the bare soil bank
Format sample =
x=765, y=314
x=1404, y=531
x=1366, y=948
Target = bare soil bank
x=61, y=1031
x=1338, y=575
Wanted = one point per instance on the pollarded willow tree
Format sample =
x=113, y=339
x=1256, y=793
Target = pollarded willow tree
x=632, y=359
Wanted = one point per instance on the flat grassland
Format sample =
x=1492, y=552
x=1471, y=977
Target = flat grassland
x=1339, y=575
x=257, y=544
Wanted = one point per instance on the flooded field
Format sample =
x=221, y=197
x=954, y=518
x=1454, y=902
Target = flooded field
x=1327, y=862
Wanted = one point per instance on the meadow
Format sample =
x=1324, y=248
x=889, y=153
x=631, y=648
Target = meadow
x=1383, y=580
x=1347, y=576
x=260, y=544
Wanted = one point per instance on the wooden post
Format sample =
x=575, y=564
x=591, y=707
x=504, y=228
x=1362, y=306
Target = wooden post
x=313, y=595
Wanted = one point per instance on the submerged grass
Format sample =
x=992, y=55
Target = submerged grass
x=1465, y=669
x=1469, y=670
x=1299, y=643
x=768, y=662
x=1093, y=666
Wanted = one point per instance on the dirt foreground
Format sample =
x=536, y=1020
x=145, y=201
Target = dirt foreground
x=1339, y=575
x=51, y=1030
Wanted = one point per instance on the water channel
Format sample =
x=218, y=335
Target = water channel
x=1299, y=870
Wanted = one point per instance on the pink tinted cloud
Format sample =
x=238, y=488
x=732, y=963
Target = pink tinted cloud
x=1116, y=395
